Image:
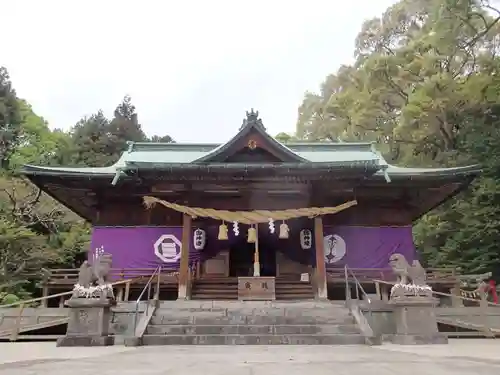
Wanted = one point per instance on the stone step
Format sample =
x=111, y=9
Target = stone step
x=214, y=291
x=294, y=291
x=217, y=297
x=167, y=329
x=248, y=319
x=215, y=287
x=293, y=287
x=291, y=297
x=254, y=304
x=250, y=306
x=337, y=339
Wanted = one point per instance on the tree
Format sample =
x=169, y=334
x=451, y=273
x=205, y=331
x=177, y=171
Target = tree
x=411, y=75
x=10, y=120
x=99, y=142
x=163, y=139
x=425, y=87
x=90, y=142
x=285, y=137
x=39, y=144
x=125, y=126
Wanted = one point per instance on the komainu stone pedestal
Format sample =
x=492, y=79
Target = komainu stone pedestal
x=89, y=320
x=415, y=321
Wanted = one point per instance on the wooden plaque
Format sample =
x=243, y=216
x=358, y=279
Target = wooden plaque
x=256, y=289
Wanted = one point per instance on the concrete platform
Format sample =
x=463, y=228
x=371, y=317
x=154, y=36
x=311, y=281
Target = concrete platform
x=465, y=357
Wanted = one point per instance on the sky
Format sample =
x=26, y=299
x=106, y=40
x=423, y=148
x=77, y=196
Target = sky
x=192, y=67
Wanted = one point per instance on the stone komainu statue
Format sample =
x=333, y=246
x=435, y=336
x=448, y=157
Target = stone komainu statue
x=101, y=269
x=95, y=275
x=412, y=279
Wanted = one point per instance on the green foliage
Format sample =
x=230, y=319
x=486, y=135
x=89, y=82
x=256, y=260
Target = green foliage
x=98, y=141
x=10, y=121
x=286, y=138
x=425, y=87
x=37, y=232
x=7, y=298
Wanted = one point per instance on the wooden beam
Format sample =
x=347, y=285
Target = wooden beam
x=320, y=275
x=184, y=263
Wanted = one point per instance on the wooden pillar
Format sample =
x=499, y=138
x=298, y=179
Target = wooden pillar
x=120, y=290
x=320, y=274
x=456, y=300
x=127, y=291
x=256, y=261
x=45, y=293
x=184, y=264
x=377, y=290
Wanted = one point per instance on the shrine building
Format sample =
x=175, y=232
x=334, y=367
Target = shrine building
x=293, y=214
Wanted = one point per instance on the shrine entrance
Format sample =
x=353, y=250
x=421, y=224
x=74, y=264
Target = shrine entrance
x=241, y=258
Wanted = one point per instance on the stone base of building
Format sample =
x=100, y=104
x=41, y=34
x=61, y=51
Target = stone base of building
x=419, y=339
x=88, y=323
x=85, y=341
x=415, y=321
x=132, y=341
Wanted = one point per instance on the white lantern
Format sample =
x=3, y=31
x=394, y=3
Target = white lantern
x=199, y=239
x=305, y=239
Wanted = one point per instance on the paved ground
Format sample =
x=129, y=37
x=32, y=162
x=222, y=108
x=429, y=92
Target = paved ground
x=469, y=357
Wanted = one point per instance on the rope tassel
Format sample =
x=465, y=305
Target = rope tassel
x=223, y=232
x=284, y=229
x=252, y=235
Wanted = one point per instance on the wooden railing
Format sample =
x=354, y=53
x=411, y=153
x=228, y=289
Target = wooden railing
x=465, y=317
x=57, y=279
x=369, y=275
x=70, y=276
x=42, y=301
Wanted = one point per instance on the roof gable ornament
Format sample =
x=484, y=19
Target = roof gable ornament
x=252, y=119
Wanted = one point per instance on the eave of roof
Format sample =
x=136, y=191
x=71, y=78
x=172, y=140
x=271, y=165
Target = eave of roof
x=84, y=172
x=252, y=166
x=393, y=172
x=410, y=173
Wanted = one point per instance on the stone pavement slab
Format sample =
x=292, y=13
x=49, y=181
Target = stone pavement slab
x=471, y=357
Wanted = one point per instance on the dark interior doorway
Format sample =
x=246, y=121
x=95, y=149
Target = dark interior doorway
x=241, y=255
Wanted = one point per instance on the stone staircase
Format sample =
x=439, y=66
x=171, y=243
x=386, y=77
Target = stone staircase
x=252, y=323
x=291, y=289
x=226, y=288
x=215, y=288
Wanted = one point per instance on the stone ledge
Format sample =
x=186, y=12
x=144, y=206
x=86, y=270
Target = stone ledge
x=373, y=340
x=85, y=341
x=132, y=341
x=419, y=339
x=340, y=339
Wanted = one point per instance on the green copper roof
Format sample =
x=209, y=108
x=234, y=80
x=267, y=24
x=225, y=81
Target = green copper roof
x=178, y=156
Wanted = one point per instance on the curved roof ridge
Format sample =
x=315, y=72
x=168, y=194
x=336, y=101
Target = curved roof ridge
x=252, y=122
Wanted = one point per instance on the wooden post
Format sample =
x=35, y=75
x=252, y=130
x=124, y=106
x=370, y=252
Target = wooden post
x=127, y=291
x=17, y=326
x=184, y=264
x=322, y=292
x=45, y=293
x=256, y=261
x=384, y=290
x=377, y=290
x=456, y=300
x=119, y=298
